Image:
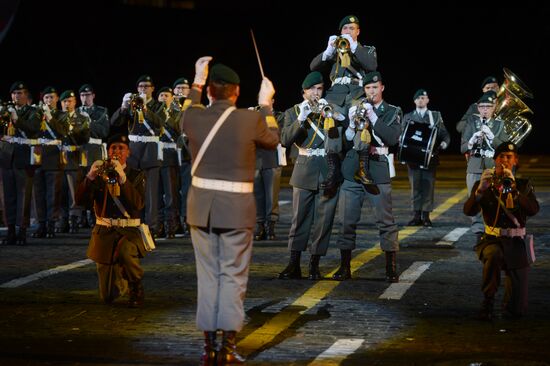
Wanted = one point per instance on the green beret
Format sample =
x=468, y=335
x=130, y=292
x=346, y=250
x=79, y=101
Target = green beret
x=86, y=88
x=144, y=78
x=166, y=89
x=372, y=77
x=488, y=97
x=419, y=93
x=180, y=81
x=119, y=137
x=489, y=80
x=348, y=20
x=48, y=90
x=313, y=78
x=223, y=74
x=507, y=146
x=18, y=85
x=67, y=94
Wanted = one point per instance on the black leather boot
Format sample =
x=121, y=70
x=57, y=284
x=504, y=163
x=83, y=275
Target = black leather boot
x=271, y=230
x=22, y=236
x=11, y=236
x=364, y=175
x=83, y=221
x=314, y=273
x=344, y=272
x=160, y=232
x=426, y=219
x=416, y=220
x=73, y=224
x=228, y=354
x=292, y=270
x=486, y=310
x=63, y=226
x=210, y=349
x=391, y=267
x=41, y=231
x=137, y=294
x=50, y=230
x=260, y=233
x=334, y=174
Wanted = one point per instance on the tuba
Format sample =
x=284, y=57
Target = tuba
x=510, y=107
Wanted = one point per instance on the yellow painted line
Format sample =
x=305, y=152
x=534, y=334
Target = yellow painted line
x=265, y=334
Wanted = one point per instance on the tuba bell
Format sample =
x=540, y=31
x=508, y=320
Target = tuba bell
x=510, y=107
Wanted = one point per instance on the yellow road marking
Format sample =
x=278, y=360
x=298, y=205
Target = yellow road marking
x=284, y=319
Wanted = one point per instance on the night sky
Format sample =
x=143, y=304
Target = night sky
x=448, y=49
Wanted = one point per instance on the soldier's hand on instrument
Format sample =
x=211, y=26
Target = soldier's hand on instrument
x=47, y=111
x=126, y=100
x=267, y=91
x=485, y=180
x=475, y=137
x=330, y=47
x=305, y=110
x=322, y=101
x=201, y=70
x=370, y=113
x=487, y=131
x=120, y=170
x=351, y=115
x=508, y=173
x=92, y=174
x=352, y=43
x=443, y=145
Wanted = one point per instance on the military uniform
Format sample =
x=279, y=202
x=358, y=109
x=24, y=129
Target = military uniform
x=503, y=245
x=472, y=109
x=116, y=243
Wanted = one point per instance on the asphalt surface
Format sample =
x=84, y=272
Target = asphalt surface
x=57, y=318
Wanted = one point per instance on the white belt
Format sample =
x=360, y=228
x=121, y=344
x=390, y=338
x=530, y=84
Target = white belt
x=107, y=221
x=95, y=141
x=223, y=185
x=311, y=152
x=169, y=145
x=379, y=150
x=70, y=148
x=20, y=140
x=345, y=80
x=509, y=232
x=136, y=138
x=49, y=142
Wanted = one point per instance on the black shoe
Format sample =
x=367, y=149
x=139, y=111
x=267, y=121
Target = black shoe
x=11, y=236
x=160, y=232
x=137, y=294
x=41, y=231
x=271, y=230
x=486, y=311
x=228, y=355
x=426, y=219
x=391, y=267
x=344, y=272
x=292, y=270
x=314, y=273
x=83, y=221
x=260, y=233
x=63, y=226
x=416, y=220
x=22, y=236
x=73, y=224
x=179, y=230
x=50, y=231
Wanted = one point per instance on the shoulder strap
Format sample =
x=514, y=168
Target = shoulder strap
x=209, y=137
x=119, y=205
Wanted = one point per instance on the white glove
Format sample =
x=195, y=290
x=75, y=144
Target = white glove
x=330, y=48
x=201, y=70
x=352, y=43
x=351, y=115
x=267, y=91
x=126, y=100
x=370, y=113
x=322, y=102
x=487, y=131
x=305, y=110
x=443, y=145
x=47, y=111
x=475, y=137
x=85, y=114
x=11, y=109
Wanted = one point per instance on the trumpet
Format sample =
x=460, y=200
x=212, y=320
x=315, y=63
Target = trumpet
x=136, y=103
x=108, y=172
x=342, y=45
x=5, y=115
x=361, y=118
x=178, y=101
x=500, y=181
x=314, y=105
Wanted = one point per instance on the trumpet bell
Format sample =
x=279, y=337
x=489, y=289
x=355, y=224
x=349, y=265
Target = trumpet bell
x=342, y=45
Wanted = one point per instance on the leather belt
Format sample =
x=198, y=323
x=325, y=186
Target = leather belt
x=107, y=221
x=169, y=145
x=508, y=232
x=95, y=141
x=70, y=148
x=378, y=150
x=311, y=152
x=49, y=142
x=345, y=80
x=137, y=138
x=20, y=140
x=223, y=185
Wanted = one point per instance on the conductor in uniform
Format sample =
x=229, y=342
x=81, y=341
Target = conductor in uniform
x=506, y=202
x=221, y=204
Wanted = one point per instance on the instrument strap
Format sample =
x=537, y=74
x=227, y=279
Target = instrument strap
x=431, y=118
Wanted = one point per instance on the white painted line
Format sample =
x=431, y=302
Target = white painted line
x=452, y=237
x=336, y=353
x=49, y=272
x=284, y=202
x=406, y=280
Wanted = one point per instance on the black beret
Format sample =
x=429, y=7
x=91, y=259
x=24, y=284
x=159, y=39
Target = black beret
x=165, y=89
x=419, y=93
x=86, y=88
x=372, y=77
x=488, y=97
x=67, y=94
x=18, y=85
x=223, y=74
x=507, y=146
x=180, y=81
x=119, y=137
x=48, y=90
x=313, y=78
x=143, y=78
x=348, y=20
x=489, y=80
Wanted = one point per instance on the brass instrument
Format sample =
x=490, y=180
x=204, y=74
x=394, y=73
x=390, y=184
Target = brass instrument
x=502, y=182
x=510, y=107
x=361, y=119
x=5, y=115
x=108, y=172
x=327, y=111
x=136, y=103
x=342, y=45
x=314, y=105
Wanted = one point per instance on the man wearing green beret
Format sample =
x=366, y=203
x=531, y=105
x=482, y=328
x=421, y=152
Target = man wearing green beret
x=422, y=122
x=490, y=83
x=482, y=133
x=303, y=130
x=505, y=202
x=222, y=208
x=16, y=151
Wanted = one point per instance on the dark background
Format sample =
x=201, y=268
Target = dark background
x=447, y=49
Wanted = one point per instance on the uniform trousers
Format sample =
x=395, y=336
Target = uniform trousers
x=350, y=203
x=422, y=183
x=477, y=227
x=311, y=208
x=151, y=196
x=47, y=194
x=223, y=259
x=185, y=183
x=17, y=195
x=71, y=178
x=168, y=195
x=264, y=194
x=516, y=283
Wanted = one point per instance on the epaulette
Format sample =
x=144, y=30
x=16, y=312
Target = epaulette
x=371, y=49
